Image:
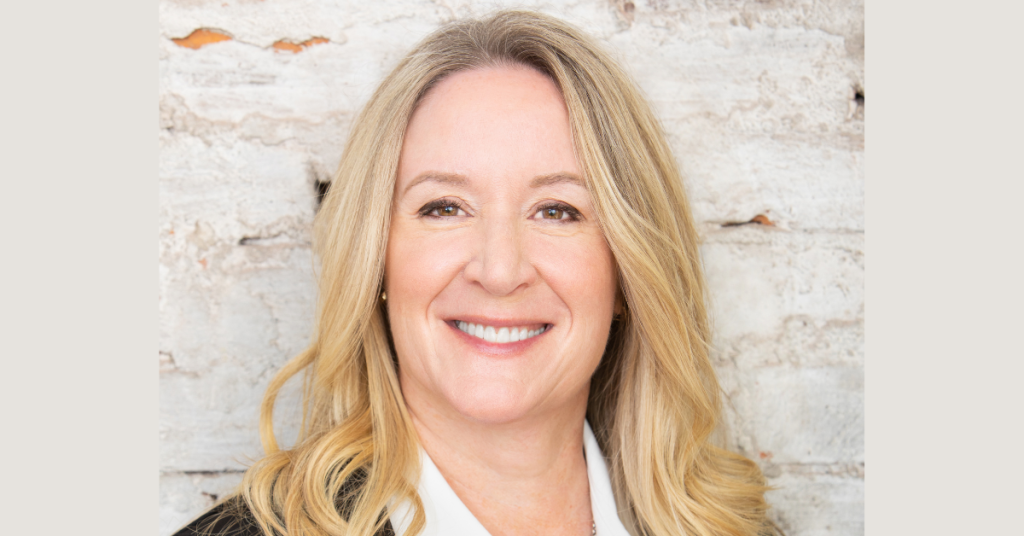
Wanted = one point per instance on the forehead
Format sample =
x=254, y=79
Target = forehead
x=506, y=121
x=509, y=86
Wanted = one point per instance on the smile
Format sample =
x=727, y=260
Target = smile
x=500, y=335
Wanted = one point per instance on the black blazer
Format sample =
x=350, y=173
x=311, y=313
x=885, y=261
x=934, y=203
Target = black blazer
x=232, y=517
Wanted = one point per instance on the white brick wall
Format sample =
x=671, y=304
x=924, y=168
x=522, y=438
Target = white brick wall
x=758, y=101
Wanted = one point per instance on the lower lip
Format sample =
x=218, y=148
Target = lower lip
x=496, y=348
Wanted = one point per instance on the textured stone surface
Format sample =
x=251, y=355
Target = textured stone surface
x=183, y=496
x=817, y=502
x=761, y=101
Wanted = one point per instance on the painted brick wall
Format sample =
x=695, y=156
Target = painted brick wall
x=763, y=103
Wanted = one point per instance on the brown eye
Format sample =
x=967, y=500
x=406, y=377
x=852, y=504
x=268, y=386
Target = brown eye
x=442, y=208
x=552, y=213
x=557, y=212
x=445, y=209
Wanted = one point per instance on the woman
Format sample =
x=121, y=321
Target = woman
x=511, y=336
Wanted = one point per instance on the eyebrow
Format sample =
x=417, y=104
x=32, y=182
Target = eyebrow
x=555, y=178
x=433, y=176
x=455, y=179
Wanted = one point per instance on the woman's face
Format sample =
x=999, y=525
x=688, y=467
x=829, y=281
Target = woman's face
x=500, y=285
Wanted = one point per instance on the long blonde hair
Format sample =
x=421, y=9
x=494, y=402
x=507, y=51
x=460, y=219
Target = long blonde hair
x=654, y=400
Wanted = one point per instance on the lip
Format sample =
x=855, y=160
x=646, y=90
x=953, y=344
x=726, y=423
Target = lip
x=496, y=348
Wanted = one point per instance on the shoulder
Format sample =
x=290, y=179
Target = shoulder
x=229, y=518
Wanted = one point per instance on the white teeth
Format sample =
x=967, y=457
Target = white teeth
x=498, y=335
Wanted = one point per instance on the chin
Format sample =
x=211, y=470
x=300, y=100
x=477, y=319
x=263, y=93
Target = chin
x=489, y=402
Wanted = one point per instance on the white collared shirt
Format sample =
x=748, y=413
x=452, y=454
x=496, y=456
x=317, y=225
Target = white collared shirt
x=446, y=515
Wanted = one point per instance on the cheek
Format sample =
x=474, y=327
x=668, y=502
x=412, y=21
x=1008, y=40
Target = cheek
x=420, y=264
x=418, y=267
x=581, y=270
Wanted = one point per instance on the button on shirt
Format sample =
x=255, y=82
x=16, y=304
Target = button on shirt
x=446, y=515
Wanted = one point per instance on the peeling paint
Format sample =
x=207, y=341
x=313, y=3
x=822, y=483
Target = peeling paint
x=284, y=45
x=201, y=38
x=760, y=219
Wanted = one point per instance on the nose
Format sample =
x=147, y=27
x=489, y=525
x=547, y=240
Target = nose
x=499, y=263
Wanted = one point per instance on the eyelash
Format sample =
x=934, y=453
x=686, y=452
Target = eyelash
x=432, y=206
x=429, y=209
x=574, y=215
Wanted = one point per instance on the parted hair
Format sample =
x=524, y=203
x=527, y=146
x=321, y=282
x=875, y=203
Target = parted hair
x=654, y=400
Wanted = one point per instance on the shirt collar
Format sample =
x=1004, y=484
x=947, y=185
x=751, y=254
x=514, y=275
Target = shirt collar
x=446, y=514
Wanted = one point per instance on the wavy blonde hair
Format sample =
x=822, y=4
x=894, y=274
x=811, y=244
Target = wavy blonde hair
x=654, y=400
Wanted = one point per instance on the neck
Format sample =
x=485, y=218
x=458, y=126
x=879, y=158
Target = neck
x=525, y=476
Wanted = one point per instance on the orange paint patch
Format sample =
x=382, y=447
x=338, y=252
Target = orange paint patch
x=762, y=219
x=201, y=38
x=764, y=455
x=203, y=262
x=294, y=48
x=285, y=46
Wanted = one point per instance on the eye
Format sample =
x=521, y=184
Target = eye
x=552, y=213
x=447, y=210
x=557, y=212
x=442, y=208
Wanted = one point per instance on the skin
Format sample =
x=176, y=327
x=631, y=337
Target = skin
x=492, y=224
